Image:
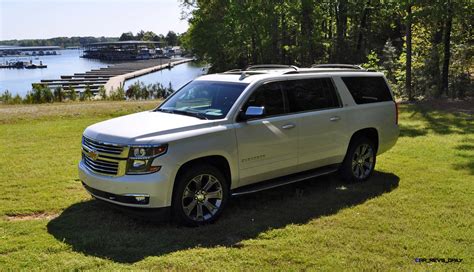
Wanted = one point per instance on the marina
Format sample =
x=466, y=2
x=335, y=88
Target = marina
x=23, y=65
x=68, y=69
x=112, y=76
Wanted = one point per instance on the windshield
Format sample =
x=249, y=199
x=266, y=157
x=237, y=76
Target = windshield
x=204, y=99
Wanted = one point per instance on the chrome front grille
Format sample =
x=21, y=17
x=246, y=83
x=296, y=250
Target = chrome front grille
x=104, y=158
x=101, y=166
x=102, y=147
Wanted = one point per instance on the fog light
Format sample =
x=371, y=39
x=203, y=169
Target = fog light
x=138, y=163
x=140, y=198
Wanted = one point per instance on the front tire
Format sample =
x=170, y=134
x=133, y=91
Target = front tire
x=359, y=163
x=200, y=195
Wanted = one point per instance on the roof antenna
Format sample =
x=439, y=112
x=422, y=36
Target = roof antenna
x=243, y=75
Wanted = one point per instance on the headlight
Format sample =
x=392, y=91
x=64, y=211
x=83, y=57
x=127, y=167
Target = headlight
x=142, y=159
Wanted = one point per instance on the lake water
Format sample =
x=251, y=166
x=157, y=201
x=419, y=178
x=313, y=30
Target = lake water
x=18, y=81
x=177, y=76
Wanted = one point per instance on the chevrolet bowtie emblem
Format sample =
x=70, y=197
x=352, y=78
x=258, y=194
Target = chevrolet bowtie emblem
x=93, y=154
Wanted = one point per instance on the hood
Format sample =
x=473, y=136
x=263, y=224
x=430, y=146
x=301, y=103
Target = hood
x=135, y=128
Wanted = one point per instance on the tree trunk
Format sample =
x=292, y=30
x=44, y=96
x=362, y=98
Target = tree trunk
x=284, y=38
x=306, y=38
x=447, y=47
x=408, y=44
x=341, y=27
x=435, y=57
x=361, y=31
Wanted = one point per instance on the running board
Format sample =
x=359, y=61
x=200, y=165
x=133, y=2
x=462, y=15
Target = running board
x=277, y=182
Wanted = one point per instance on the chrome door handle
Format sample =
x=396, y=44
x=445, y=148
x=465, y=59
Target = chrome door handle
x=334, y=118
x=288, y=126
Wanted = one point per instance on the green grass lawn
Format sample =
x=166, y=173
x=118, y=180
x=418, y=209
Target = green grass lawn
x=419, y=203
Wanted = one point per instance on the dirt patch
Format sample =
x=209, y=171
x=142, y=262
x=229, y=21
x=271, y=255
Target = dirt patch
x=35, y=216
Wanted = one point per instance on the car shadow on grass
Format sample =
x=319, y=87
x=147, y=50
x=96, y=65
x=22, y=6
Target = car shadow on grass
x=92, y=228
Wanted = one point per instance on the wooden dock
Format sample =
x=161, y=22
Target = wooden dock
x=112, y=76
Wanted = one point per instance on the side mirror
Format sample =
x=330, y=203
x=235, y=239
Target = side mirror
x=253, y=112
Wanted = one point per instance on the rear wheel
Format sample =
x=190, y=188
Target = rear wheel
x=360, y=159
x=200, y=195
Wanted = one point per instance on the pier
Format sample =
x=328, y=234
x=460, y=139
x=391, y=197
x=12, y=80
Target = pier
x=112, y=76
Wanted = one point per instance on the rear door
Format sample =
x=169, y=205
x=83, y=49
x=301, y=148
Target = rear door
x=322, y=136
x=267, y=146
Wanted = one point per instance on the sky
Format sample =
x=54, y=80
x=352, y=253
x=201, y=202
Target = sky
x=42, y=19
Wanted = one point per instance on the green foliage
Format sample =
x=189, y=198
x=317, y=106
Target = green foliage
x=58, y=94
x=118, y=94
x=72, y=94
x=6, y=97
x=139, y=91
x=87, y=94
x=373, y=62
x=234, y=34
x=40, y=93
x=171, y=38
x=103, y=93
x=59, y=41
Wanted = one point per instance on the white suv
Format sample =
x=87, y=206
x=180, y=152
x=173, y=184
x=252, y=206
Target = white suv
x=239, y=132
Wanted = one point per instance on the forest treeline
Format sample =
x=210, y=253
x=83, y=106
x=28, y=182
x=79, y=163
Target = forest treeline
x=424, y=47
x=59, y=41
x=171, y=38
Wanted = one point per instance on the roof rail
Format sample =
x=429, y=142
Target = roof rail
x=335, y=65
x=270, y=66
x=233, y=71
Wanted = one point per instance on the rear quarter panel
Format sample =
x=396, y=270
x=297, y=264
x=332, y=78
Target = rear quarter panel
x=381, y=116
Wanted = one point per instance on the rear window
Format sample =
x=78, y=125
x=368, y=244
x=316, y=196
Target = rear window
x=310, y=94
x=368, y=89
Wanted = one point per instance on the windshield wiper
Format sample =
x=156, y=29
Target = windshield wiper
x=164, y=110
x=196, y=114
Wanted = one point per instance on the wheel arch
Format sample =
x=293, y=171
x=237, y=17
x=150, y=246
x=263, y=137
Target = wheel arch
x=371, y=133
x=218, y=161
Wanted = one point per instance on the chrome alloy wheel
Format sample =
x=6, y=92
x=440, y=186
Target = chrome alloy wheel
x=362, y=161
x=202, y=197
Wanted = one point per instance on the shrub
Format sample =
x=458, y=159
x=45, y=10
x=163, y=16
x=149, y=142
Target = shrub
x=72, y=94
x=6, y=97
x=58, y=94
x=87, y=94
x=118, y=94
x=41, y=94
x=102, y=93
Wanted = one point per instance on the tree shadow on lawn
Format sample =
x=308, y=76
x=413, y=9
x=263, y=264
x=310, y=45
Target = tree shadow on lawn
x=441, y=123
x=411, y=131
x=92, y=228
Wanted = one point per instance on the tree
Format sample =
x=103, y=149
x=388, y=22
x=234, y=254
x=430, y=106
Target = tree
x=102, y=93
x=413, y=41
x=447, y=40
x=58, y=94
x=171, y=38
x=127, y=36
x=408, y=86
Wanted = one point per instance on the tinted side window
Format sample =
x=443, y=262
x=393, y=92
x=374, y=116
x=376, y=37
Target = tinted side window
x=311, y=94
x=368, y=89
x=269, y=96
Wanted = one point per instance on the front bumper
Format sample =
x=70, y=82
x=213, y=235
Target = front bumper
x=140, y=191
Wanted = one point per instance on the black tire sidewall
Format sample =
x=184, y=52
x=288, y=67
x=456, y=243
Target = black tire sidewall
x=181, y=182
